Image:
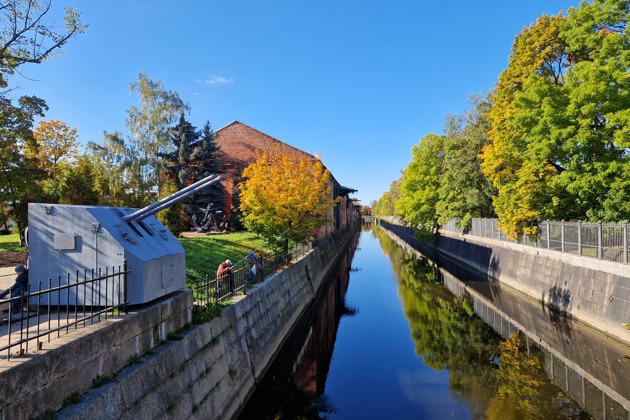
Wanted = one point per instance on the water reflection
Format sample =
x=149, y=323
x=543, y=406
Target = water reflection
x=585, y=366
x=502, y=356
x=294, y=385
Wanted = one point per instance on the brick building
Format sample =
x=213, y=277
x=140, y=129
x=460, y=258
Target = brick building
x=241, y=144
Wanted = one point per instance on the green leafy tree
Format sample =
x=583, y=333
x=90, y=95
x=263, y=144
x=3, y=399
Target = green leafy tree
x=420, y=182
x=26, y=39
x=386, y=205
x=464, y=191
x=560, y=121
x=79, y=185
x=589, y=119
x=172, y=217
x=159, y=109
x=18, y=173
x=120, y=172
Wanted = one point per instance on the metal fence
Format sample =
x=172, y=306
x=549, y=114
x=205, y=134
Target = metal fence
x=75, y=301
x=605, y=241
x=209, y=289
x=61, y=305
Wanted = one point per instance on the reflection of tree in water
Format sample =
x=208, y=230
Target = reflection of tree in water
x=446, y=331
x=524, y=390
x=448, y=335
x=296, y=405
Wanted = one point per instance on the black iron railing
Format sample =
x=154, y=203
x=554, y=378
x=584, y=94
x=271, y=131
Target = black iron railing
x=60, y=305
x=209, y=289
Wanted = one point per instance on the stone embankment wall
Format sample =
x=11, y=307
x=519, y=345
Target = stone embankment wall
x=589, y=290
x=200, y=372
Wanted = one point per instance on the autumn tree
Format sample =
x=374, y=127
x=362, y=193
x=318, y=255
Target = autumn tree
x=286, y=195
x=54, y=150
x=56, y=145
x=386, y=205
x=522, y=184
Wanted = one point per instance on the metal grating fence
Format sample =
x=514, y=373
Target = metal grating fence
x=58, y=306
x=605, y=241
x=209, y=290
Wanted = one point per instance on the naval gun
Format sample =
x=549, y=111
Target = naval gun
x=69, y=238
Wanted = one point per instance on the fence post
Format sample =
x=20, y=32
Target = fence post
x=207, y=294
x=125, y=282
x=579, y=238
x=625, y=242
x=548, y=234
x=562, y=235
x=599, y=240
x=262, y=267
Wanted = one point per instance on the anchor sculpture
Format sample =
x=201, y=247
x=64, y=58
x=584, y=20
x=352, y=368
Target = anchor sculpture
x=213, y=220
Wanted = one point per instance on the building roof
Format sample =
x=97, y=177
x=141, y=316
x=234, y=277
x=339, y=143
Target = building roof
x=241, y=143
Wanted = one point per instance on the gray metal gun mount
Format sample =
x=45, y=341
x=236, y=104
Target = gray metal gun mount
x=67, y=238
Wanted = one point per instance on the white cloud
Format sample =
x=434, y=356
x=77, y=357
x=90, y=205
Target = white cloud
x=215, y=80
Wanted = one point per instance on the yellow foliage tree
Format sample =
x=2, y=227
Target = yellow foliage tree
x=56, y=144
x=537, y=50
x=285, y=196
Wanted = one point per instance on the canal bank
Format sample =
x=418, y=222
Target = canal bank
x=587, y=290
x=592, y=369
x=153, y=363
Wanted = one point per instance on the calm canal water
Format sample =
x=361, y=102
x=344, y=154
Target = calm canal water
x=396, y=336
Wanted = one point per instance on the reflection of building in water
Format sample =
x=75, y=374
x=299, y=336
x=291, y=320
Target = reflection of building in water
x=311, y=366
x=592, y=369
x=301, y=366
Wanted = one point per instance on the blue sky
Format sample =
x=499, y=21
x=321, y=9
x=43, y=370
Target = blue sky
x=360, y=82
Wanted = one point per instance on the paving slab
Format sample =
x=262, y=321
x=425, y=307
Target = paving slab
x=7, y=277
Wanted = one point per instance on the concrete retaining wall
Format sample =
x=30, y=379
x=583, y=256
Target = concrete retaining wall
x=43, y=380
x=203, y=372
x=589, y=290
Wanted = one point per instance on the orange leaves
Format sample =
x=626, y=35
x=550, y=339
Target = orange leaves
x=286, y=189
x=56, y=145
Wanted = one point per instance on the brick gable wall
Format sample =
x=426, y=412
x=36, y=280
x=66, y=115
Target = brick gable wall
x=242, y=144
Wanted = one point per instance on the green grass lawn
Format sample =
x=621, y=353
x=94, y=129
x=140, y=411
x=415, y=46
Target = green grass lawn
x=10, y=242
x=205, y=253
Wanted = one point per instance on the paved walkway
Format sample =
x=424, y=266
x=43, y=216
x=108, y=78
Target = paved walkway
x=7, y=277
x=27, y=326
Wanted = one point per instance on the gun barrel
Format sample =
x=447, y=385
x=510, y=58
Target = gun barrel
x=151, y=209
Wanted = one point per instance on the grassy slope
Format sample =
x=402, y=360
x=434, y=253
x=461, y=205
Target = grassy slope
x=205, y=253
